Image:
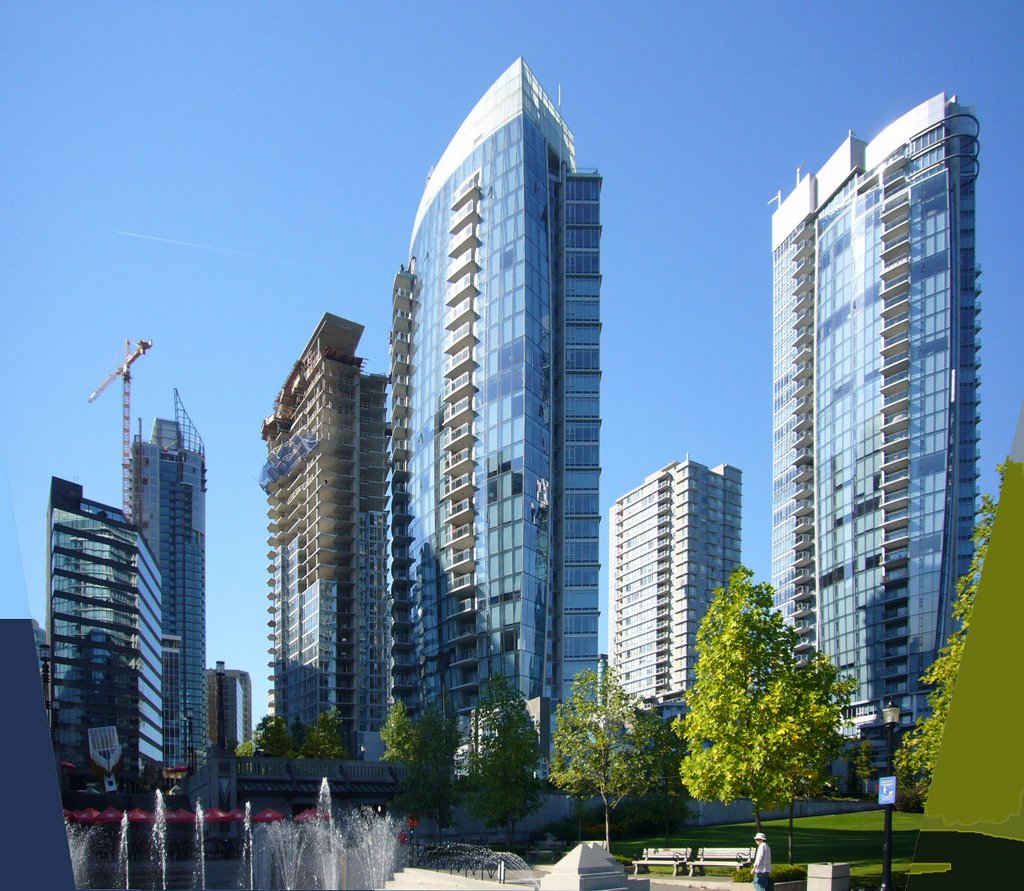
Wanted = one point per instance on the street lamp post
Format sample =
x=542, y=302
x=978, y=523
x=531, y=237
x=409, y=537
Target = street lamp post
x=891, y=717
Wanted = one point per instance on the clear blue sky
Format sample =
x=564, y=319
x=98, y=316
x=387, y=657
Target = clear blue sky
x=295, y=138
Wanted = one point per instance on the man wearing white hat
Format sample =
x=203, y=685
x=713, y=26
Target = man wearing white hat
x=762, y=867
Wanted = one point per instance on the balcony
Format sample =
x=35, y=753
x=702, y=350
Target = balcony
x=804, y=300
x=896, y=325
x=463, y=561
x=896, y=481
x=897, y=232
x=804, y=577
x=460, y=363
x=804, y=248
x=464, y=631
x=463, y=536
x=459, y=438
x=401, y=407
x=803, y=594
x=459, y=387
x=804, y=355
x=804, y=646
x=804, y=440
x=461, y=289
x=400, y=384
x=897, y=268
x=895, y=364
x=896, y=558
x=468, y=215
x=461, y=586
x=899, y=303
x=804, y=523
x=804, y=421
x=804, y=336
x=803, y=507
x=462, y=512
x=400, y=342
x=896, y=208
x=897, y=250
x=462, y=241
x=459, y=462
x=804, y=473
x=804, y=285
x=897, y=286
x=402, y=300
x=466, y=193
x=460, y=339
x=896, y=539
x=462, y=266
x=803, y=265
x=401, y=320
x=896, y=402
x=896, y=460
x=896, y=422
x=896, y=383
x=802, y=370
x=463, y=314
x=896, y=520
x=803, y=456
x=804, y=608
x=462, y=412
x=804, y=558
x=459, y=488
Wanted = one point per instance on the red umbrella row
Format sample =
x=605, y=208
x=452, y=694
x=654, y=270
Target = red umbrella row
x=92, y=816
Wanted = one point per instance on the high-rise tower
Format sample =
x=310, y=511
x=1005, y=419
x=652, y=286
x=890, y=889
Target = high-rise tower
x=673, y=541
x=875, y=400
x=169, y=506
x=326, y=485
x=495, y=410
x=103, y=622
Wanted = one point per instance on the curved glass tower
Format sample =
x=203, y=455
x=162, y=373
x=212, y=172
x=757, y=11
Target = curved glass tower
x=495, y=411
x=876, y=403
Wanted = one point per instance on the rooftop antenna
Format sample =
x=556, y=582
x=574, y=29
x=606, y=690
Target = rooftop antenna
x=777, y=199
x=799, y=170
x=559, y=96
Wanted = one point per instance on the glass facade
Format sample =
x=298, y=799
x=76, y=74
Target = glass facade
x=169, y=494
x=326, y=485
x=495, y=411
x=875, y=401
x=103, y=622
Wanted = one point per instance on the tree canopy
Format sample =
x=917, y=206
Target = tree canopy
x=501, y=780
x=760, y=725
x=271, y=737
x=599, y=741
x=324, y=739
x=920, y=747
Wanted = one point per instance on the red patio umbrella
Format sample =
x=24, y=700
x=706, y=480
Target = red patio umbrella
x=138, y=815
x=110, y=815
x=310, y=814
x=215, y=815
x=67, y=765
x=87, y=815
x=267, y=816
x=181, y=815
x=236, y=815
x=70, y=815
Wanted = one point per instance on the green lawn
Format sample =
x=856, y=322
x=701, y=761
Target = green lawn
x=845, y=838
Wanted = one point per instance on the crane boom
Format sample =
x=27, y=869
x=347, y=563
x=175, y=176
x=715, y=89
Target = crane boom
x=123, y=371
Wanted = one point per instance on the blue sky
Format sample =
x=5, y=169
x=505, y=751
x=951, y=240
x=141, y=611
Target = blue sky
x=295, y=139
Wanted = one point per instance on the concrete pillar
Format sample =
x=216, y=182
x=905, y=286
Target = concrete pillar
x=828, y=877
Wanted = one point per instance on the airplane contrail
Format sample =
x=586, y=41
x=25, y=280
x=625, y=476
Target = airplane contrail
x=206, y=247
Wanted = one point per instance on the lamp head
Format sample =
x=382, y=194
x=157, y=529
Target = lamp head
x=891, y=714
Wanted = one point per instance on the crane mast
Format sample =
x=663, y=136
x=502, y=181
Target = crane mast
x=123, y=371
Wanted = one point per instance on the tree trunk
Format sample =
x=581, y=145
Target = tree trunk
x=757, y=818
x=607, y=828
x=791, y=803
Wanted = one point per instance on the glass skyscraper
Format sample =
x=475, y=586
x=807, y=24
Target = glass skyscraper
x=875, y=400
x=326, y=485
x=495, y=411
x=103, y=622
x=169, y=492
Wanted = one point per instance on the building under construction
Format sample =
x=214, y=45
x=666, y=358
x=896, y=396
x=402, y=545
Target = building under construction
x=325, y=480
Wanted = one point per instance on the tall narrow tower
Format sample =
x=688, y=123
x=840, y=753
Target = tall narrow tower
x=876, y=404
x=169, y=490
x=495, y=410
x=325, y=480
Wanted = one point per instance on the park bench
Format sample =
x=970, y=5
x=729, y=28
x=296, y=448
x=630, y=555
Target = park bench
x=674, y=857
x=548, y=848
x=734, y=857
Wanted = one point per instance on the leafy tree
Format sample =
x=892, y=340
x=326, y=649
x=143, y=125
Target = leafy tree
x=662, y=753
x=598, y=743
x=429, y=751
x=920, y=747
x=245, y=749
x=503, y=758
x=324, y=739
x=760, y=726
x=398, y=734
x=271, y=737
x=298, y=732
x=863, y=764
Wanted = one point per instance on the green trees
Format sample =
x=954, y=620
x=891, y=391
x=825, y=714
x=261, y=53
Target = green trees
x=920, y=747
x=324, y=739
x=760, y=726
x=428, y=748
x=599, y=743
x=271, y=737
x=661, y=752
x=501, y=782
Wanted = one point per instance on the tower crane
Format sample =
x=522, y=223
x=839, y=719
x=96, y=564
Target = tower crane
x=123, y=371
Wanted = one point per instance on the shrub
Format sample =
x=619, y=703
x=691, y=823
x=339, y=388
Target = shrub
x=910, y=798
x=596, y=830
x=782, y=872
x=627, y=862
